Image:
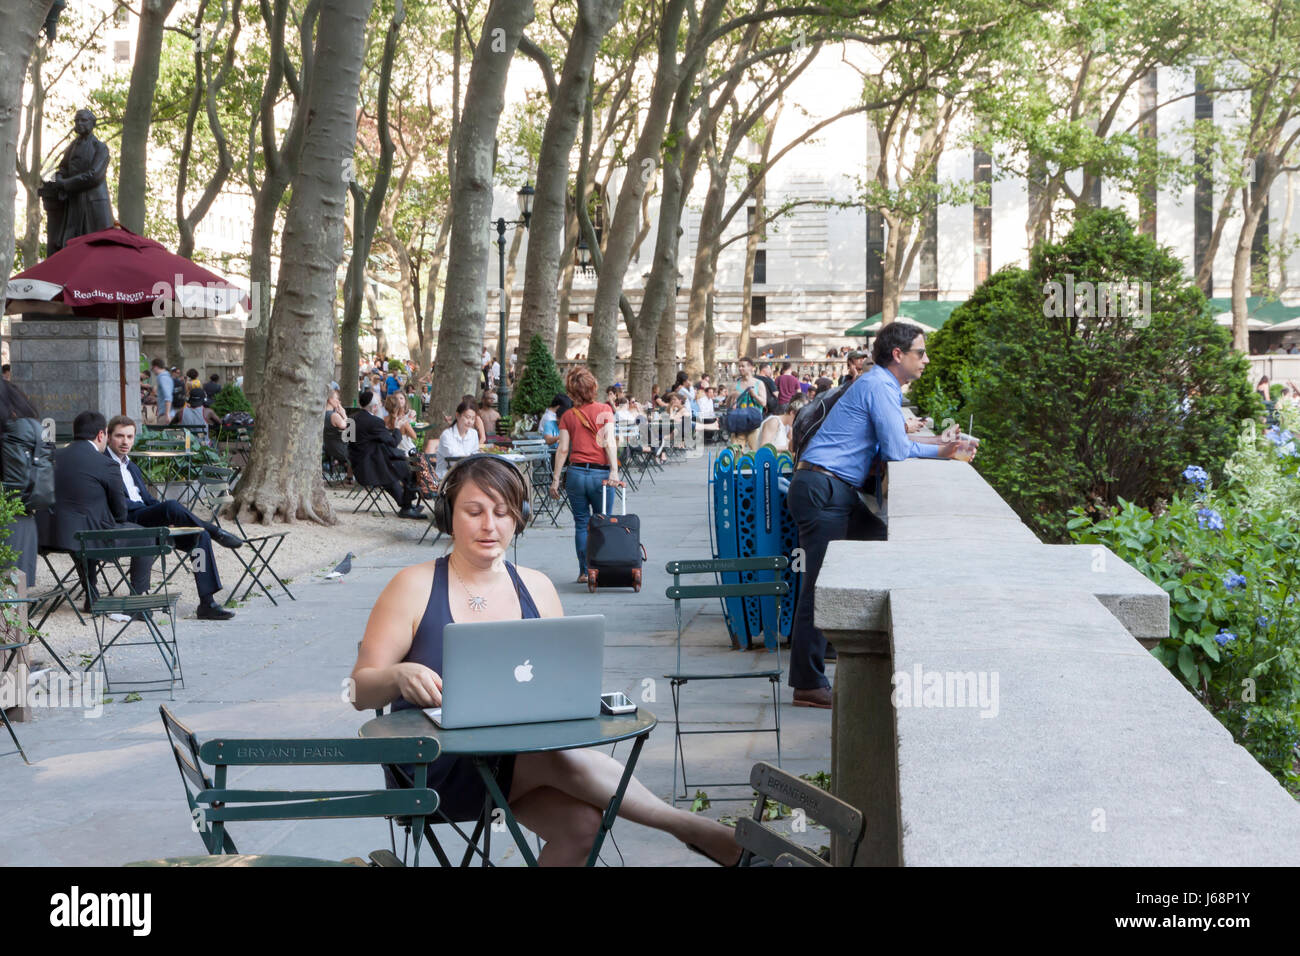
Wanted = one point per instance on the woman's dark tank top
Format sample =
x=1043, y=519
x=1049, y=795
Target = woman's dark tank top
x=426, y=647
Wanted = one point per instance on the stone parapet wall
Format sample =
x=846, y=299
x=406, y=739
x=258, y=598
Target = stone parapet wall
x=996, y=702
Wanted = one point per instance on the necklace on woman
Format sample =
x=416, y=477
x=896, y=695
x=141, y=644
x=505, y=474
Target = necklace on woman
x=476, y=601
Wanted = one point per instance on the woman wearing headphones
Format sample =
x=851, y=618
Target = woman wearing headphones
x=559, y=795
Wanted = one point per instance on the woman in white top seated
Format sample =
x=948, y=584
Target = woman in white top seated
x=775, y=429
x=458, y=440
x=396, y=420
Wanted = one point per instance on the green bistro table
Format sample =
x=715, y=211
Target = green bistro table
x=175, y=467
x=482, y=743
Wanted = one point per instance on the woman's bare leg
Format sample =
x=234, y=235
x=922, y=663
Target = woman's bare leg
x=591, y=778
x=567, y=826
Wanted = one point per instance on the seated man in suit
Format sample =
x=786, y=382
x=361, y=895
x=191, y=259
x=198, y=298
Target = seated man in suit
x=376, y=461
x=88, y=496
x=148, y=512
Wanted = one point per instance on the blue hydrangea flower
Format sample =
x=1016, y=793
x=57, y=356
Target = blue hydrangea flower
x=1278, y=437
x=1195, y=475
x=1209, y=518
x=1261, y=622
x=1234, y=581
x=1224, y=637
x=1287, y=450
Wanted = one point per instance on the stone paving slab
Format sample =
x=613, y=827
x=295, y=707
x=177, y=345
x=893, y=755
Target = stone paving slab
x=105, y=790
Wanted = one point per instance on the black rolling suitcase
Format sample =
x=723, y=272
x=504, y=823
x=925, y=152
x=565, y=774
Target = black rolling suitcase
x=614, y=551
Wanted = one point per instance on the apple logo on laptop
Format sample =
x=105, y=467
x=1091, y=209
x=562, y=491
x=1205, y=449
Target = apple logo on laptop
x=524, y=672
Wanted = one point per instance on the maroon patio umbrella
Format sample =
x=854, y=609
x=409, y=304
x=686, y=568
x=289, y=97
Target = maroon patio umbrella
x=115, y=273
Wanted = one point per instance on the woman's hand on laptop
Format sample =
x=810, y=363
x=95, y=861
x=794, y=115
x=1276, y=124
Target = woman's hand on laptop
x=418, y=684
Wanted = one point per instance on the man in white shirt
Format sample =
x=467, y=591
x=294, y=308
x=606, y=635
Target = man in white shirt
x=144, y=509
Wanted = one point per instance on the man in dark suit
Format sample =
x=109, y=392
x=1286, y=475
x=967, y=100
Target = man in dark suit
x=88, y=495
x=148, y=512
x=373, y=452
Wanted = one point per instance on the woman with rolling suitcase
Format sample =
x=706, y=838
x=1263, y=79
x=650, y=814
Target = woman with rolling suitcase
x=588, y=444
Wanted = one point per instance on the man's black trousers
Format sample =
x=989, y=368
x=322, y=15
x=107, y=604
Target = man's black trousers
x=172, y=514
x=825, y=509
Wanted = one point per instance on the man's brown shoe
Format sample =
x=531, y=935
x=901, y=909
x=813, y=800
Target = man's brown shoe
x=816, y=697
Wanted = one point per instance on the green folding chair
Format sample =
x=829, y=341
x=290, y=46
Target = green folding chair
x=255, y=555
x=680, y=678
x=113, y=546
x=213, y=804
x=815, y=803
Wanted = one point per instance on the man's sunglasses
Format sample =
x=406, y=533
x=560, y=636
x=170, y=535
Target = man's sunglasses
x=920, y=352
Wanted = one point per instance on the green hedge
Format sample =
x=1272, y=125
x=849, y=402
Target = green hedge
x=1087, y=411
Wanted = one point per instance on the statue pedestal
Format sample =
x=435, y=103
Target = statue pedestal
x=70, y=365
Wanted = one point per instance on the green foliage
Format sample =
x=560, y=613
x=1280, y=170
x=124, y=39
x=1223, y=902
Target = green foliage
x=231, y=399
x=11, y=625
x=540, y=382
x=396, y=365
x=1089, y=410
x=1234, y=614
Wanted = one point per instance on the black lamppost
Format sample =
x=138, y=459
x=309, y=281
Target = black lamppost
x=525, y=195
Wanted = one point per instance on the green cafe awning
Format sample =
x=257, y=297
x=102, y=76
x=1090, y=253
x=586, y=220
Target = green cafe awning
x=929, y=313
x=1261, y=314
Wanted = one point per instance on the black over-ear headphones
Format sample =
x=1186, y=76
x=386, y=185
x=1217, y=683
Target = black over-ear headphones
x=442, y=506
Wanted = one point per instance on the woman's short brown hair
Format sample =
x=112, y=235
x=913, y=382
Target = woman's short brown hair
x=498, y=477
x=581, y=384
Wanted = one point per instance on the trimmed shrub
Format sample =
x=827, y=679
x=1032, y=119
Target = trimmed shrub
x=231, y=399
x=540, y=382
x=1075, y=409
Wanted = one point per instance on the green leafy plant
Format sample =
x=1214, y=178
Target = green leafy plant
x=701, y=801
x=540, y=382
x=1230, y=560
x=1086, y=410
x=231, y=399
x=12, y=627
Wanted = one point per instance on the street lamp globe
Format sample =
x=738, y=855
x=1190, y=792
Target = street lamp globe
x=525, y=194
x=584, y=256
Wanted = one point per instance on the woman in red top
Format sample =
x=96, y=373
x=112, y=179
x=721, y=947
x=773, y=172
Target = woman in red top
x=587, y=442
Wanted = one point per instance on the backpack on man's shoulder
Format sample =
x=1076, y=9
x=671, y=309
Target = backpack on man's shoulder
x=27, y=464
x=745, y=415
x=810, y=419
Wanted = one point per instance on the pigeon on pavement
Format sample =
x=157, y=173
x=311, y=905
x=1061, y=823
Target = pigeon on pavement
x=343, y=568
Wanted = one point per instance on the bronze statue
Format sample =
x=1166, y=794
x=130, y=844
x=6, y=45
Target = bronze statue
x=76, y=200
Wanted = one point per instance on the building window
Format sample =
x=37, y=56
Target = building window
x=121, y=51
x=760, y=266
x=757, y=309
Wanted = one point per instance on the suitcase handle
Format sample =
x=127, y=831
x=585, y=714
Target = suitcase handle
x=622, y=498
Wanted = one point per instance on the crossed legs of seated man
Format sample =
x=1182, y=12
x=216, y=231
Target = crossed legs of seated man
x=172, y=514
x=401, y=488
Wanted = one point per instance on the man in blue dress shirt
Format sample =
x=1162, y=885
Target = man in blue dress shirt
x=864, y=426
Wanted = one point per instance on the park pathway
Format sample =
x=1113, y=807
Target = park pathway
x=104, y=791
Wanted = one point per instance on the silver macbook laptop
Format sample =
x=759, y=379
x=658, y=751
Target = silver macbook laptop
x=520, y=672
